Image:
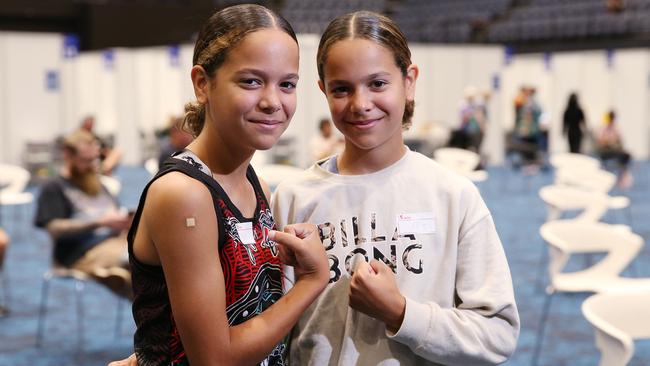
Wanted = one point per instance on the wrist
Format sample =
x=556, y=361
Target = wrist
x=395, y=317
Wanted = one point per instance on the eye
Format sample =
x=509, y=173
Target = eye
x=378, y=84
x=288, y=85
x=339, y=91
x=250, y=82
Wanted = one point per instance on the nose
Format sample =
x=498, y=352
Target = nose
x=270, y=101
x=360, y=102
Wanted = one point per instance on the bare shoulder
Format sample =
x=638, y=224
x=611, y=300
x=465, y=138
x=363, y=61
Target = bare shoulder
x=177, y=190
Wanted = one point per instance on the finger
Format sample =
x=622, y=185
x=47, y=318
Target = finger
x=291, y=242
x=361, y=270
x=378, y=266
x=303, y=230
x=290, y=230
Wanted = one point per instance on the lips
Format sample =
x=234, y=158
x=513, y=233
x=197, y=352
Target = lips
x=365, y=124
x=267, y=124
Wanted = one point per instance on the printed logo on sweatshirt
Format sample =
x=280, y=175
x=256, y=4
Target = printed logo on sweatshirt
x=335, y=237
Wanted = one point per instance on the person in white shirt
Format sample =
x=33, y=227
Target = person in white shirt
x=326, y=143
x=418, y=275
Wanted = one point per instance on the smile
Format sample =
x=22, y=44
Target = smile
x=365, y=124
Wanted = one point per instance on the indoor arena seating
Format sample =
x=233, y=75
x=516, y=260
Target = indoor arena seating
x=552, y=19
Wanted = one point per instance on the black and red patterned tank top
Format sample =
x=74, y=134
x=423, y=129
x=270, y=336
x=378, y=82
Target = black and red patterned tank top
x=252, y=271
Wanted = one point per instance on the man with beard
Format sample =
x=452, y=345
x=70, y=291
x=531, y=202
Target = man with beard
x=83, y=218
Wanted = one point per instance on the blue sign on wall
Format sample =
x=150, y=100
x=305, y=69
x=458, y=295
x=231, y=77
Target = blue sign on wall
x=174, y=56
x=109, y=59
x=70, y=45
x=52, y=81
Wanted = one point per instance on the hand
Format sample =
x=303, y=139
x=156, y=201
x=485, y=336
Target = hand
x=374, y=292
x=300, y=246
x=131, y=361
x=114, y=220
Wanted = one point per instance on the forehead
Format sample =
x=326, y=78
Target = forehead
x=358, y=56
x=267, y=49
x=87, y=149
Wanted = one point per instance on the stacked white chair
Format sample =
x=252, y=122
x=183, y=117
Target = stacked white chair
x=567, y=237
x=618, y=319
x=464, y=162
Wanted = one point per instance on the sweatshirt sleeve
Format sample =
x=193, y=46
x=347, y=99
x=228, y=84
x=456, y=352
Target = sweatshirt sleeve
x=483, y=326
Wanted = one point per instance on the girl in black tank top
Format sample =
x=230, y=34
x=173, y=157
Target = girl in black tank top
x=206, y=265
x=252, y=271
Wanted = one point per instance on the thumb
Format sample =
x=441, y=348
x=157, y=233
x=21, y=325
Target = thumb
x=363, y=267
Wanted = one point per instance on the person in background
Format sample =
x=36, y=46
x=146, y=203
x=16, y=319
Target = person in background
x=84, y=220
x=109, y=156
x=177, y=139
x=326, y=143
x=4, y=244
x=574, y=124
x=609, y=145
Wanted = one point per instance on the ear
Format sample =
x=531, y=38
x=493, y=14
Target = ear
x=409, y=81
x=321, y=86
x=201, y=83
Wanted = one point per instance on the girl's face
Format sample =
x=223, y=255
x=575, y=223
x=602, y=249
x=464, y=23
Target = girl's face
x=252, y=96
x=367, y=92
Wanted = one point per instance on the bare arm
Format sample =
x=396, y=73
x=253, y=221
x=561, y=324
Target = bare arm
x=190, y=260
x=113, y=220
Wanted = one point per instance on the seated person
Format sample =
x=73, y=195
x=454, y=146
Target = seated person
x=83, y=219
x=177, y=140
x=109, y=156
x=4, y=243
x=326, y=143
x=609, y=145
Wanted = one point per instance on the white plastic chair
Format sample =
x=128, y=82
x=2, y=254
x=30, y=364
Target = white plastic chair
x=562, y=198
x=589, y=179
x=461, y=161
x=567, y=237
x=151, y=165
x=618, y=319
x=112, y=184
x=79, y=280
x=13, y=181
x=573, y=161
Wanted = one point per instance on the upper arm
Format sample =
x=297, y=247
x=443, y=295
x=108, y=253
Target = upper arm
x=190, y=260
x=51, y=205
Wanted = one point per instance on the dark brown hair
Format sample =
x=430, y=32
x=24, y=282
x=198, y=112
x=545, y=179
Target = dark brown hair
x=373, y=27
x=220, y=34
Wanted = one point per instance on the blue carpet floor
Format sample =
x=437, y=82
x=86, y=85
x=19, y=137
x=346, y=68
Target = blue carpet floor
x=512, y=197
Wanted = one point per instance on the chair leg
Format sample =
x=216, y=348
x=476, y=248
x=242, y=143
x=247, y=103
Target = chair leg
x=540, y=329
x=43, y=309
x=541, y=266
x=79, y=286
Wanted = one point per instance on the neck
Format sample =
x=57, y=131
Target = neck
x=354, y=160
x=226, y=160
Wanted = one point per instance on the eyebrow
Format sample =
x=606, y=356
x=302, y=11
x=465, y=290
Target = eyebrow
x=264, y=74
x=369, y=77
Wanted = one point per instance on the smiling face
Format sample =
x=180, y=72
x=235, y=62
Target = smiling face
x=367, y=93
x=251, y=98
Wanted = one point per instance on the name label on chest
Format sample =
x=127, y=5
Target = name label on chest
x=245, y=232
x=416, y=223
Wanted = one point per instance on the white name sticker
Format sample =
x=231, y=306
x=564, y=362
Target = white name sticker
x=245, y=232
x=416, y=223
